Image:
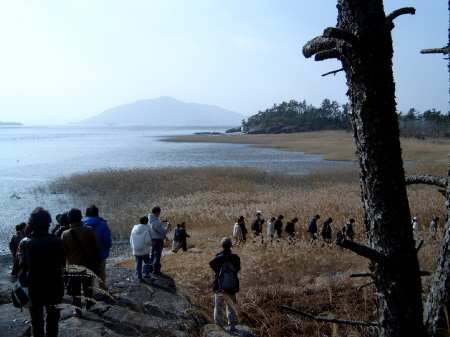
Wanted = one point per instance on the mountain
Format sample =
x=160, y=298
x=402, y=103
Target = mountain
x=166, y=111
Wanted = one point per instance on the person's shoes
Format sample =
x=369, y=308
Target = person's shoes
x=139, y=280
x=78, y=313
x=89, y=304
x=157, y=272
x=147, y=276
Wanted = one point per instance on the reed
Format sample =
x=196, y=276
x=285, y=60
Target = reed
x=273, y=272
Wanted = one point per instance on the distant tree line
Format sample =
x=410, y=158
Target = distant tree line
x=429, y=124
x=295, y=116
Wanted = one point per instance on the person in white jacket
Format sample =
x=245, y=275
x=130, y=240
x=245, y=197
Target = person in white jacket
x=141, y=242
x=237, y=231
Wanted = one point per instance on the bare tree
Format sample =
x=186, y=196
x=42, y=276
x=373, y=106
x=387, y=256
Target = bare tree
x=362, y=42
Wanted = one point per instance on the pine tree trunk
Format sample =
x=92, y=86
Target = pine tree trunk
x=363, y=43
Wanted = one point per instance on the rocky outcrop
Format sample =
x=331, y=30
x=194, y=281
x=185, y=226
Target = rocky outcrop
x=153, y=307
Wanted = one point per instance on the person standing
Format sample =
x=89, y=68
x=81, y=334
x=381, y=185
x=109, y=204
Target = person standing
x=14, y=244
x=140, y=242
x=42, y=257
x=103, y=233
x=225, y=296
x=62, y=226
x=349, y=232
x=183, y=238
x=83, y=250
x=158, y=233
x=278, y=225
x=243, y=229
x=312, y=229
x=176, y=237
x=257, y=224
x=271, y=227
x=415, y=224
x=237, y=231
x=326, y=230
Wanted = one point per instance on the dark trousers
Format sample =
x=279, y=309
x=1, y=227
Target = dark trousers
x=181, y=244
x=37, y=320
x=74, y=289
x=155, y=256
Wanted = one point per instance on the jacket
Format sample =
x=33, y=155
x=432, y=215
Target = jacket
x=88, y=239
x=103, y=233
x=237, y=231
x=157, y=230
x=42, y=256
x=216, y=263
x=313, y=226
x=140, y=240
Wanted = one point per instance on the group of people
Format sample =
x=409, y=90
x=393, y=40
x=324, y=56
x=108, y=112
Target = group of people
x=83, y=245
x=275, y=228
x=80, y=247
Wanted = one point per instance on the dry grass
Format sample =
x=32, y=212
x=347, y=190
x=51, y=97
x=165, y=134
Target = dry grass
x=334, y=145
x=273, y=273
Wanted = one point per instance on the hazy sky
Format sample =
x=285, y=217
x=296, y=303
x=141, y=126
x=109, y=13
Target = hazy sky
x=66, y=60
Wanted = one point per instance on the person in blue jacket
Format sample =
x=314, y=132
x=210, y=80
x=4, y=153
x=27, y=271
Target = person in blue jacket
x=103, y=233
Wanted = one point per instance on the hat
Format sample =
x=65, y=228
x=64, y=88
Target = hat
x=416, y=218
x=226, y=241
x=241, y=217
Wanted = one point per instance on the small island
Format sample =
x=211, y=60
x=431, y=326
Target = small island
x=10, y=123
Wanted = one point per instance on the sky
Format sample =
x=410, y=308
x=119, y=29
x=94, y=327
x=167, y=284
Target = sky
x=63, y=61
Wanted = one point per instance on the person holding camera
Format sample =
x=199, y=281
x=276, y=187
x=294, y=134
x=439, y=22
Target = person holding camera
x=158, y=233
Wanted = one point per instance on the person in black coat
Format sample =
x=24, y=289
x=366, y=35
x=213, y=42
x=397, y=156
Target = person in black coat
x=221, y=296
x=243, y=229
x=41, y=258
x=278, y=226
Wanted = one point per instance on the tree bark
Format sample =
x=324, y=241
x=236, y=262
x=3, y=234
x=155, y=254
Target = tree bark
x=439, y=296
x=367, y=61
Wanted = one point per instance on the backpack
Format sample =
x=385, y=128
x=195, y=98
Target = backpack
x=228, y=279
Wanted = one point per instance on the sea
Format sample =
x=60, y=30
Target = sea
x=32, y=156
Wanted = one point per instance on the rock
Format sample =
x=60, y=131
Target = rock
x=153, y=307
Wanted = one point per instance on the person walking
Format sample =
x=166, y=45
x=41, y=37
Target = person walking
x=326, y=230
x=82, y=260
x=158, y=233
x=140, y=242
x=226, y=266
x=434, y=224
x=257, y=224
x=103, y=233
x=271, y=227
x=312, y=229
x=183, y=238
x=41, y=257
x=14, y=244
x=290, y=229
x=278, y=225
x=176, y=237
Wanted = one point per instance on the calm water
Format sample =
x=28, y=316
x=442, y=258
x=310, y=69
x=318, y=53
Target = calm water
x=32, y=156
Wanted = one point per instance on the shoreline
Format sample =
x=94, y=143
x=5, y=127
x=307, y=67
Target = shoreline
x=333, y=145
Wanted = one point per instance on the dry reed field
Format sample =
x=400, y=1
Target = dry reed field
x=311, y=279
x=334, y=145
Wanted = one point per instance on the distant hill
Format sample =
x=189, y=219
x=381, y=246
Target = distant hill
x=166, y=111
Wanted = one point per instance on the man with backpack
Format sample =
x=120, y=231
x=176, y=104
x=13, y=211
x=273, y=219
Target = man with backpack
x=226, y=283
x=312, y=229
x=257, y=224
